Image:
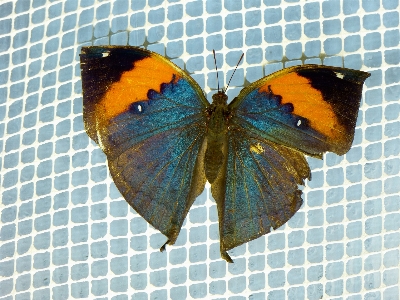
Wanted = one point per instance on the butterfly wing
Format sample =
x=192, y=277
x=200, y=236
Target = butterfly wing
x=315, y=111
x=147, y=115
x=305, y=109
x=259, y=188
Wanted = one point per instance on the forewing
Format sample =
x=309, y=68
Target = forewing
x=310, y=108
x=148, y=117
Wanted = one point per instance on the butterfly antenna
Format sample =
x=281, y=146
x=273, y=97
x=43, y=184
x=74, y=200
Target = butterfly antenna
x=240, y=59
x=216, y=69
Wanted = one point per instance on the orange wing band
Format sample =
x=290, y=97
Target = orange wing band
x=308, y=103
x=133, y=86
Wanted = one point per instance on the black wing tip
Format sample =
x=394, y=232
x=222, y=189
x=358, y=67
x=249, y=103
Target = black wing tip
x=115, y=53
x=353, y=75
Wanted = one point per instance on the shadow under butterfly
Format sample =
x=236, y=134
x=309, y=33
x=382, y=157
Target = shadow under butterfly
x=164, y=140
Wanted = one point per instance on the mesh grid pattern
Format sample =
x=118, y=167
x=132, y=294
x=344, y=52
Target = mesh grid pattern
x=67, y=233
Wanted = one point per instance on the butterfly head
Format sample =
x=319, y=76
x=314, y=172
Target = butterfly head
x=220, y=98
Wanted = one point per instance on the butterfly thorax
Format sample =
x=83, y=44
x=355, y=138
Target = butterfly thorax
x=218, y=116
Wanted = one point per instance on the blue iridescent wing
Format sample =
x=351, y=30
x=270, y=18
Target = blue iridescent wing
x=273, y=123
x=147, y=115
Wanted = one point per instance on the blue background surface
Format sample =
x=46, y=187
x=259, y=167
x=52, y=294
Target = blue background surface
x=67, y=233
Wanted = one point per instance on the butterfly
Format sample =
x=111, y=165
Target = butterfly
x=163, y=139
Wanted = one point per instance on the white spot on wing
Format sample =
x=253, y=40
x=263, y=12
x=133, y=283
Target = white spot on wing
x=139, y=108
x=105, y=54
x=298, y=123
x=339, y=75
